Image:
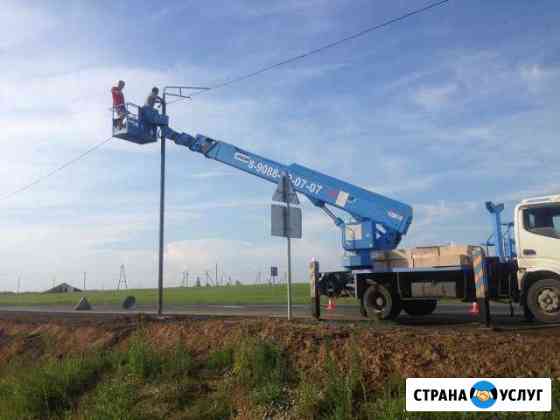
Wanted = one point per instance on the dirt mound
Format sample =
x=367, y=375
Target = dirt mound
x=384, y=353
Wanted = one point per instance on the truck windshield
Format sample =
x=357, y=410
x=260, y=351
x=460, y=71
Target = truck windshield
x=544, y=221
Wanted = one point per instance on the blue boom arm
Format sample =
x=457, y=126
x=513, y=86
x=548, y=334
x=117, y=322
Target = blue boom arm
x=378, y=222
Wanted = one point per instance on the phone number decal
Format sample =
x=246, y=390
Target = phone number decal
x=271, y=171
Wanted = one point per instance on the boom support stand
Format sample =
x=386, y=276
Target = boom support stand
x=481, y=285
x=484, y=308
x=314, y=289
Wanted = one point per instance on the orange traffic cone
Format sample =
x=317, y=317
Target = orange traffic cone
x=475, y=310
x=331, y=306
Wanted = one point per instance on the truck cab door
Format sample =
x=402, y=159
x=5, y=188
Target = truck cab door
x=538, y=237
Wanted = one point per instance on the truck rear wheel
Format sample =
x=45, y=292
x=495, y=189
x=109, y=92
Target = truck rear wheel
x=419, y=307
x=543, y=300
x=381, y=302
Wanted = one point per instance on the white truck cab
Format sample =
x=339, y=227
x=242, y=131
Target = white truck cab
x=537, y=237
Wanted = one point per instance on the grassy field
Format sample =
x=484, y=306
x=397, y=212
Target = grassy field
x=253, y=379
x=223, y=295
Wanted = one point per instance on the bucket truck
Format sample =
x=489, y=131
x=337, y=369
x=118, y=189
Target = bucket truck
x=386, y=280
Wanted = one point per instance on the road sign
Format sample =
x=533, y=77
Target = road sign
x=285, y=192
x=285, y=223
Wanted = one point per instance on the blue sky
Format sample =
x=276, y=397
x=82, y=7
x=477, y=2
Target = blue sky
x=442, y=111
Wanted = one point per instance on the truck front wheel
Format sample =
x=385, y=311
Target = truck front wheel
x=381, y=302
x=543, y=299
x=419, y=307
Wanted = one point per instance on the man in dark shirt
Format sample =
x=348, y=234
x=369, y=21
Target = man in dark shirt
x=153, y=98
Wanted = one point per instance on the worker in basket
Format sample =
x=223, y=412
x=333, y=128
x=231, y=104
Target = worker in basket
x=154, y=98
x=118, y=104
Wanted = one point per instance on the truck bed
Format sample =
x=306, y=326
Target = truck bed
x=424, y=257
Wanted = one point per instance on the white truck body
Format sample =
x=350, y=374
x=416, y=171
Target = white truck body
x=537, y=235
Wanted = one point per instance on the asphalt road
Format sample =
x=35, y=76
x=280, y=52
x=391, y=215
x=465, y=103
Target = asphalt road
x=445, y=314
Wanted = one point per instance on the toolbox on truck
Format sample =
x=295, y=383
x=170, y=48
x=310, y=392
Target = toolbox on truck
x=388, y=260
x=442, y=256
x=424, y=257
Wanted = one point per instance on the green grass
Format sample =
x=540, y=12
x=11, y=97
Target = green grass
x=220, y=360
x=223, y=295
x=142, y=360
x=114, y=399
x=49, y=390
x=337, y=394
x=146, y=382
x=262, y=367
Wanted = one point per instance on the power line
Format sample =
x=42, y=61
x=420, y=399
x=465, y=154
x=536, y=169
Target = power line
x=57, y=169
x=241, y=78
x=319, y=49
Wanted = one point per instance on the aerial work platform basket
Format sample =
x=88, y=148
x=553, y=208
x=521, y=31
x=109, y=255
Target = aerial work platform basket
x=137, y=124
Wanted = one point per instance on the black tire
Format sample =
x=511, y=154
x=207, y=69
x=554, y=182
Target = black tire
x=419, y=307
x=543, y=300
x=381, y=302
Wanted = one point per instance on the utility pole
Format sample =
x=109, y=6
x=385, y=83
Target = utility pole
x=217, y=284
x=84, y=280
x=161, y=211
x=18, y=283
x=176, y=91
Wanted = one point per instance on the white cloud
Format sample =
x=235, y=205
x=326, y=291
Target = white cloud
x=545, y=187
x=22, y=23
x=37, y=251
x=434, y=97
x=440, y=212
x=211, y=174
x=225, y=204
x=445, y=222
x=537, y=76
x=407, y=183
x=244, y=259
